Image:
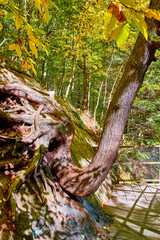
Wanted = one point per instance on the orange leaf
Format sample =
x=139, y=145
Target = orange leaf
x=115, y=9
x=12, y=46
x=27, y=67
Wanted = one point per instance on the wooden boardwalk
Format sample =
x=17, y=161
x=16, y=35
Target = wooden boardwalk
x=136, y=210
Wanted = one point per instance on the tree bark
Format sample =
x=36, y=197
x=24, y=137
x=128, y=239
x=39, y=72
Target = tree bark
x=85, y=98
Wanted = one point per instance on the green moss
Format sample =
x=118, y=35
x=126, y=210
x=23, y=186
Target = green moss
x=82, y=150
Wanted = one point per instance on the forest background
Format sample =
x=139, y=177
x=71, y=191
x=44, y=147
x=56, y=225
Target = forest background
x=79, y=50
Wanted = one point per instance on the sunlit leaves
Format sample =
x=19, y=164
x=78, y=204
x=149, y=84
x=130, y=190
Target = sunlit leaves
x=115, y=33
x=34, y=40
x=38, y=5
x=15, y=47
x=129, y=3
x=18, y=22
x=33, y=48
x=151, y=13
x=25, y=64
x=123, y=35
x=26, y=39
x=110, y=22
x=43, y=4
x=140, y=22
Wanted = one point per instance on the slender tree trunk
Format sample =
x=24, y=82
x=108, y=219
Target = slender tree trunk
x=106, y=79
x=85, y=97
x=63, y=78
x=89, y=88
x=43, y=81
x=71, y=75
x=57, y=77
x=99, y=93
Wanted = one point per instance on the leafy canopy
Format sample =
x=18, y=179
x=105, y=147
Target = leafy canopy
x=105, y=19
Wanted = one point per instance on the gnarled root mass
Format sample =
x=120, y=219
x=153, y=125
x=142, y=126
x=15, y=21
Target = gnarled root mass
x=35, y=133
x=31, y=124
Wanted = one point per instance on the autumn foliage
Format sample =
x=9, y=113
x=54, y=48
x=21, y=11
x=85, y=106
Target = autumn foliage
x=115, y=9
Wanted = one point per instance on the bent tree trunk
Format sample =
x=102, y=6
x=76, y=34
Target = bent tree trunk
x=36, y=132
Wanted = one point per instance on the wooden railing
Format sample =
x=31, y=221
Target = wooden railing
x=118, y=163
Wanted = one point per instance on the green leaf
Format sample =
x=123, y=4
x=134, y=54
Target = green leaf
x=110, y=22
x=9, y=16
x=140, y=22
x=47, y=49
x=41, y=31
x=52, y=4
x=123, y=35
x=129, y=3
x=115, y=33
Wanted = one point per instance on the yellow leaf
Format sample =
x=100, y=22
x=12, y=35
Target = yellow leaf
x=1, y=26
x=151, y=13
x=29, y=30
x=26, y=66
x=31, y=60
x=45, y=3
x=18, y=22
x=95, y=67
x=115, y=32
x=33, y=48
x=4, y=199
x=140, y=22
x=33, y=69
x=38, y=5
x=12, y=46
x=43, y=58
x=18, y=51
x=35, y=40
x=46, y=15
x=129, y=3
x=25, y=49
x=110, y=22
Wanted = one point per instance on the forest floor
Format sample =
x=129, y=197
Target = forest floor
x=136, y=212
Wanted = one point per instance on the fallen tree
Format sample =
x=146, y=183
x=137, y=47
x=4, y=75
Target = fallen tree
x=36, y=133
